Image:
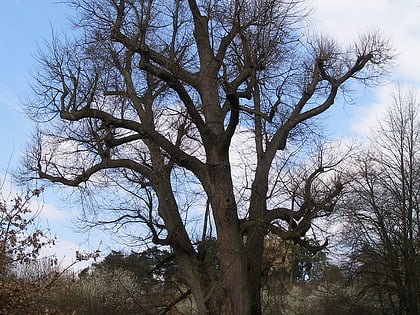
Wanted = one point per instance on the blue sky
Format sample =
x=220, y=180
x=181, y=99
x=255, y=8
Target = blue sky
x=24, y=24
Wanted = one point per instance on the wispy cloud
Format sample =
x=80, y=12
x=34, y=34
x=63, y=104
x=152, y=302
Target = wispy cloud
x=50, y=212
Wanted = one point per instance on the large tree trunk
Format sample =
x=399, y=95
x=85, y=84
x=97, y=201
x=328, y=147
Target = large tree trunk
x=233, y=266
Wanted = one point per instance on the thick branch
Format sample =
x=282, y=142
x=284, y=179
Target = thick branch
x=86, y=174
x=201, y=34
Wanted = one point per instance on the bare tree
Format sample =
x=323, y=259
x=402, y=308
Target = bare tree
x=150, y=99
x=383, y=209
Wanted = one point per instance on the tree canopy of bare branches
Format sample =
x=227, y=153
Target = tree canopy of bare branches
x=147, y=105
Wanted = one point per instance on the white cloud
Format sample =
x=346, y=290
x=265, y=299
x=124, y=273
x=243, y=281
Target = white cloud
x=366, y=118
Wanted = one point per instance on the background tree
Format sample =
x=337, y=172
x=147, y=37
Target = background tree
x=383, y=209
x=20, y=243
x=149, y=266
x=154, y=272
x=146, y=105
x=27, y=278
x=20, y=239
